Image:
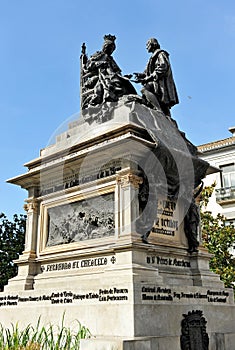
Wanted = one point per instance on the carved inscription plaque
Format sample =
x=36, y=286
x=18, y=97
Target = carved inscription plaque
x=82, y=220
x=155, y=294
x=111, y=294
x=167, y=219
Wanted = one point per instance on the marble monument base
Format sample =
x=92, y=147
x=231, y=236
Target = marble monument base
x=130, y=295
x=111, y=177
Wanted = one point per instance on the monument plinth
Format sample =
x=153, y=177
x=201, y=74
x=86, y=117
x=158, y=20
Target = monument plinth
x=113, y=234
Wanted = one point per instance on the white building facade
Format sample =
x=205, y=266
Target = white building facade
x=221, y=154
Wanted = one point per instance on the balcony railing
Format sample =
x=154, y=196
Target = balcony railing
x=225, y=193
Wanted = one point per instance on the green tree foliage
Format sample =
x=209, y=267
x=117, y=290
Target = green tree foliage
x=12, y=235
x=219, y=238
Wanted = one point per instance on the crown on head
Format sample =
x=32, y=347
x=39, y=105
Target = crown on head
x=110, y=38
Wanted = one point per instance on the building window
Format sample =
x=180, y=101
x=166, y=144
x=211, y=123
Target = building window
x=229, y=222
x=228, y=175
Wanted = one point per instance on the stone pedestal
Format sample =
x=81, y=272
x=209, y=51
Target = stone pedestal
x=91, y=196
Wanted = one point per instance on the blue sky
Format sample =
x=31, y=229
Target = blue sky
x=40, y=44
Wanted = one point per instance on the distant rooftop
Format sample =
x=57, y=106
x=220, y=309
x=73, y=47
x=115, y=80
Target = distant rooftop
x=219, y=143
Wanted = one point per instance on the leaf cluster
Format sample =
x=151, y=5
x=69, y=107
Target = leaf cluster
x=12, y=235
x=219, y=238
x=206, y=194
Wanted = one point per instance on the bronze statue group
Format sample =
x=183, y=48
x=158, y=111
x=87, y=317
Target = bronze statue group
x=102, y=80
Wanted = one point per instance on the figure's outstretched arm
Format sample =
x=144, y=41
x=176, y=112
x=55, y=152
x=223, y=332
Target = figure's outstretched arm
x=139, y=77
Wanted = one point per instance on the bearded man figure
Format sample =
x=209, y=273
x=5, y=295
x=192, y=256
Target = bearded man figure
x=159, y=91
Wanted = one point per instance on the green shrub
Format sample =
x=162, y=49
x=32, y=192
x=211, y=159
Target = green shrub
x=42, y=337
